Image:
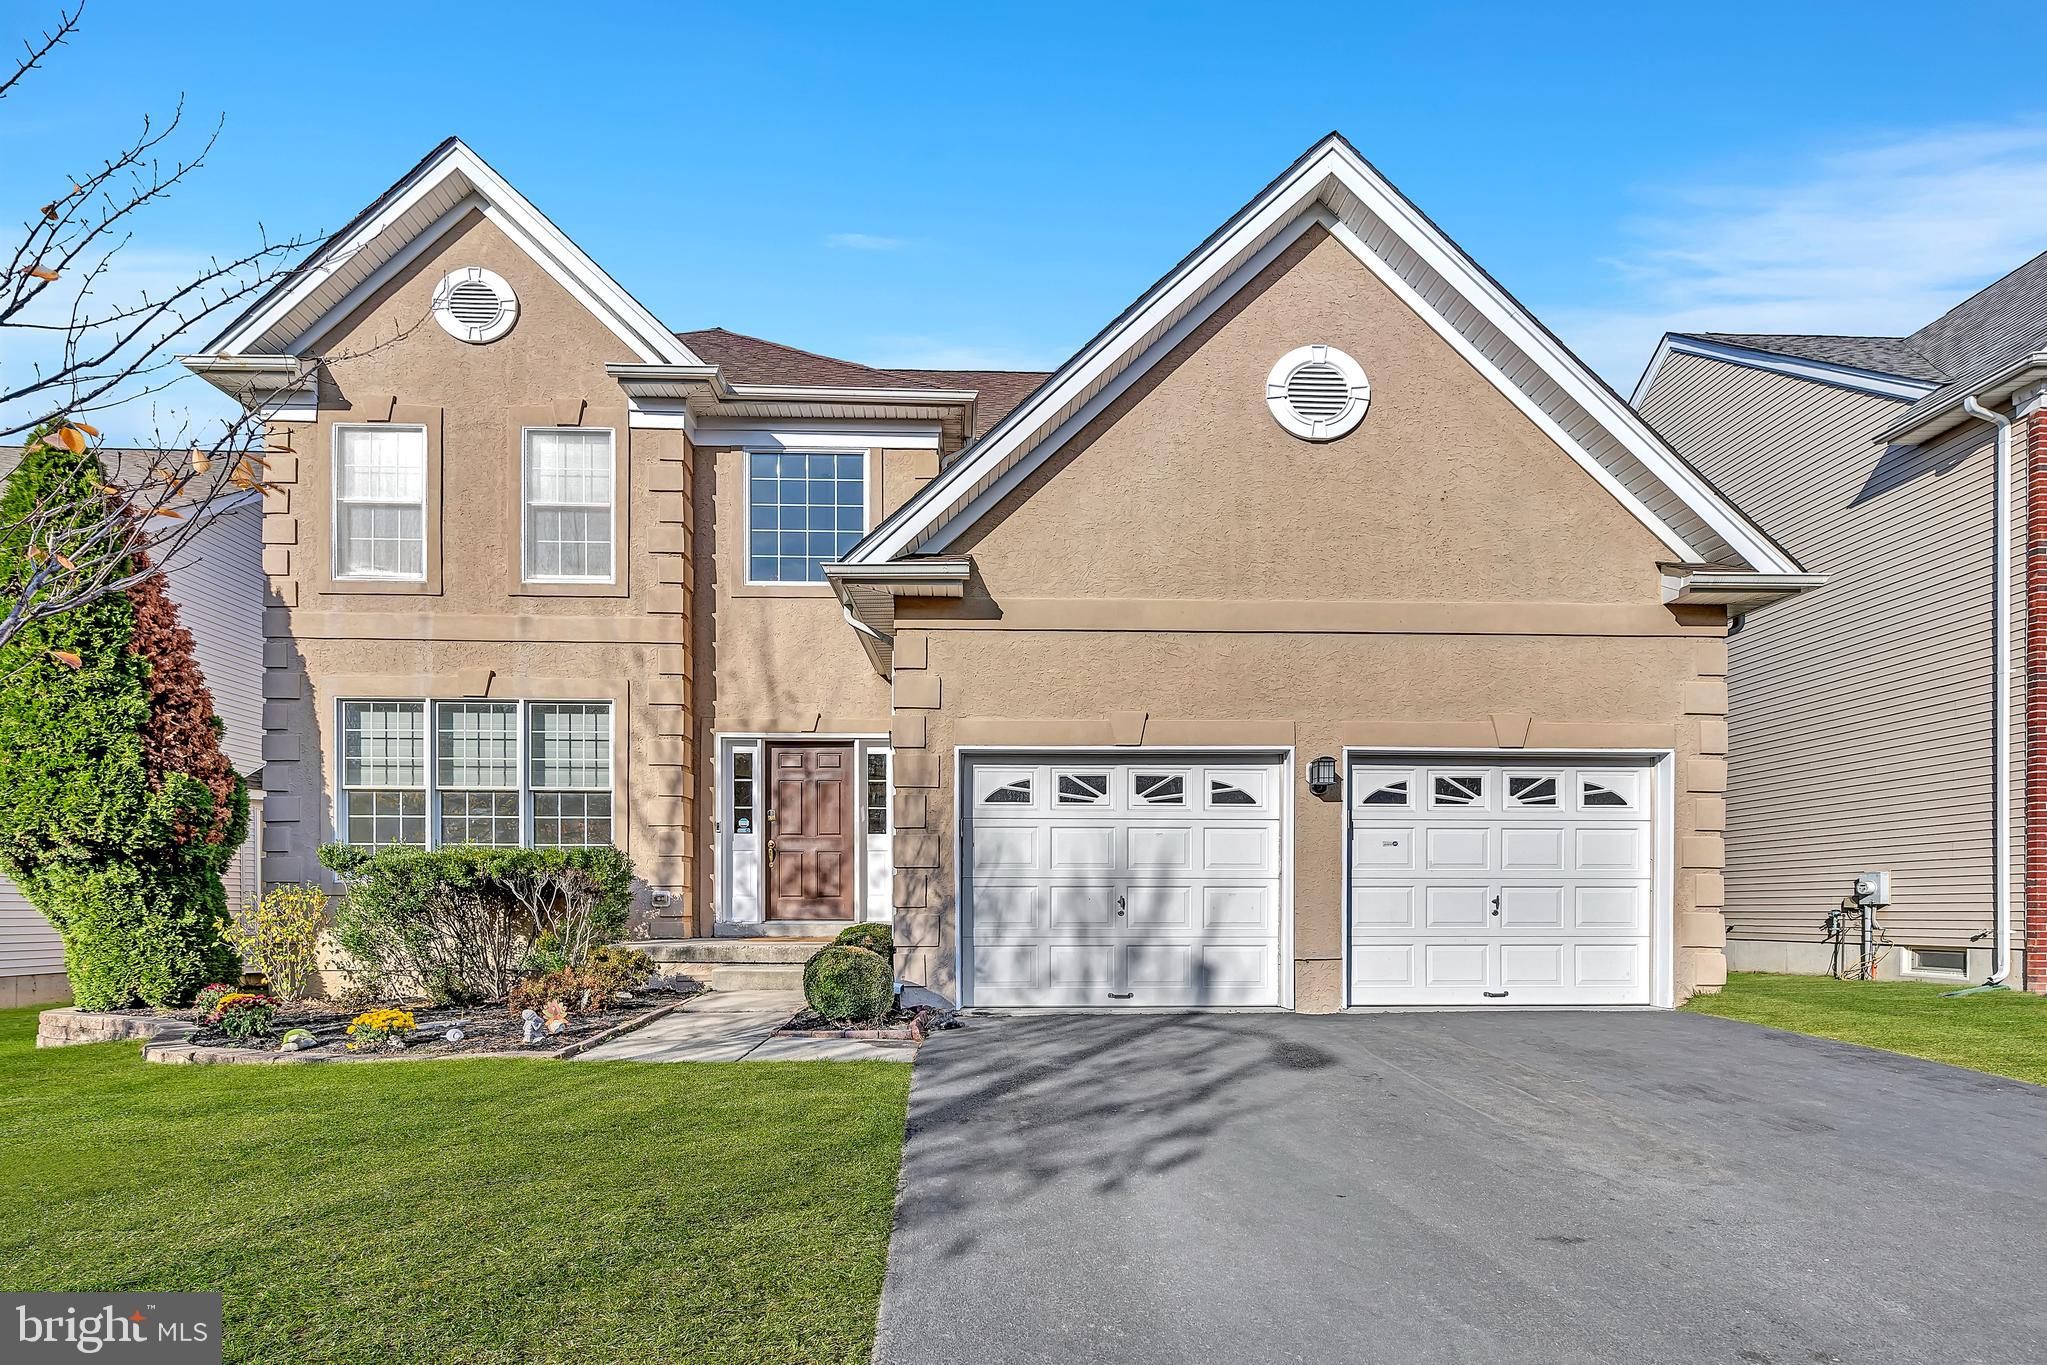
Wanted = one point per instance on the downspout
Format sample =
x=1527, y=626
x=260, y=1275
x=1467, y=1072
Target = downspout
x=2000, y=704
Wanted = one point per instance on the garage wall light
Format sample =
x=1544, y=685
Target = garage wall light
x=1321, y=775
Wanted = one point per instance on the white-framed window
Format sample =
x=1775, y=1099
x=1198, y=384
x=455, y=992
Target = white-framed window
x=1949, y=963
x=877, y=791
x=567, y=504
x=383, y=773
x=803, y=511
x=476, y=772
x=380, y=502
x=506, y=773
x=570, y=771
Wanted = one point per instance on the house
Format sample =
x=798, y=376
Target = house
x=1321, y=634
x=217, y=582
x=1864, y=718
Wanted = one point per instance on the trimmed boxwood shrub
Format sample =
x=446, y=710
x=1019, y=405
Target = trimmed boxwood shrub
x=118, y=808
x=876, y=938
x=848, y=984
x=457, y=925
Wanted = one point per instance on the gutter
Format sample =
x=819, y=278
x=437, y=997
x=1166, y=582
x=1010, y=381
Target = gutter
x=2000, y=697
x=1739, y=590
x=1995, y=389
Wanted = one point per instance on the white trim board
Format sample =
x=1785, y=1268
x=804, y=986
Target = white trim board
x=1795, y=367
x=1335, y=186
x=404, y=221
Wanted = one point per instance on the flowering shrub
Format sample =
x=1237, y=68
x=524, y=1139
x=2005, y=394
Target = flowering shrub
x=209, y=996
x=243, y=1014
x=376, y=1029
x=280, y=936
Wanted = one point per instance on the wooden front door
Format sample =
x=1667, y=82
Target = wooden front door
x=810, y=862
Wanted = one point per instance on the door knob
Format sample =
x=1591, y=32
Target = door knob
x=771, y=856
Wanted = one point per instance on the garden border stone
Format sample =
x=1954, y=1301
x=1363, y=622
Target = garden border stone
x=70, y=1026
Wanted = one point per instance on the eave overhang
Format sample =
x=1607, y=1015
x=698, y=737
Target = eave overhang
x=1740, y=591
x=867, y=594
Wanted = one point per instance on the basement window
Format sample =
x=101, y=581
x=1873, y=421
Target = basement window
x=1951, y=963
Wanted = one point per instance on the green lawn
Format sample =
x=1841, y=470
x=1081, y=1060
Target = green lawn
x=464, y=1211
x=2002, y=1032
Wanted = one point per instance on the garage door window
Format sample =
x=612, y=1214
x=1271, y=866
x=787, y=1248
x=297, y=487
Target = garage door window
x=1457, y=789
x=1159, y=789
x=1003, y=787
x=1393, y=793
x=1532, y=792
x=1236, y=789
x=1083, y=789
x=1617, y=792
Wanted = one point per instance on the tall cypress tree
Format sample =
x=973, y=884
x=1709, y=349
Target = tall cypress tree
x=118, y=809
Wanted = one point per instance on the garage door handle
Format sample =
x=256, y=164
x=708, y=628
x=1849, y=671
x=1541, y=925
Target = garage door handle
x=1125, y=995
x=1496, y=905
x=1121, y=905
x=1496, y=995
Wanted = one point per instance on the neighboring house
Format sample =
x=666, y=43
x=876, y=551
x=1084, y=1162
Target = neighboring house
x=217, y=583
x=1323, y=633
x=1862, y=716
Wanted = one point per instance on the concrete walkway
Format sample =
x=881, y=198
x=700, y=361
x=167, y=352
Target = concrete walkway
x=733, y=1026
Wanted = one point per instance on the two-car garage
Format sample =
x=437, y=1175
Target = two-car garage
x=1164, y=880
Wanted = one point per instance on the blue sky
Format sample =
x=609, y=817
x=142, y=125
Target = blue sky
x=987, y=185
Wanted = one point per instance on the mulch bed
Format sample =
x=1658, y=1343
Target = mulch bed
x=486, y=1029
x=911, y=1025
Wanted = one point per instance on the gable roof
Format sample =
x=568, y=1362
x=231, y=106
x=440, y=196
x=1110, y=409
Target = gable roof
x=448, y=184
x=754, y=360
x=1878, y=355
x=1331, y=185
x=1872, y=365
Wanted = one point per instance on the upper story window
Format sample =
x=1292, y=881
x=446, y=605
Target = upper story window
x=802, y=512
x=380, y=502
x=568, y=504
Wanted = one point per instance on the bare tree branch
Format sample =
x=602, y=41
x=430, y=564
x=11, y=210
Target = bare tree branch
x=67, y=24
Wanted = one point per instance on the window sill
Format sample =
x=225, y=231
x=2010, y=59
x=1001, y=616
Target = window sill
x=403, y=586
x=549, y=589
x=782, y=590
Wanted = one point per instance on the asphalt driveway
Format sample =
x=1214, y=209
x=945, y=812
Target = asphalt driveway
x=1575, y=1187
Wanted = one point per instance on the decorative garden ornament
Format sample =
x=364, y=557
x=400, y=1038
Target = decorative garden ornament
x=530, y=1031
x=453, y=1035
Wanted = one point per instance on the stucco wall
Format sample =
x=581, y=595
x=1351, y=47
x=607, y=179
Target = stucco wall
x=474, y=629
x=1187, y=573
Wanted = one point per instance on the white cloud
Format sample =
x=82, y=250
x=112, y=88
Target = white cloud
x=1875, y=239
x=865, y=241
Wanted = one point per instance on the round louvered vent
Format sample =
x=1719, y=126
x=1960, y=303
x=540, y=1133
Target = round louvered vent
x=475, y=304
x=1317, y=392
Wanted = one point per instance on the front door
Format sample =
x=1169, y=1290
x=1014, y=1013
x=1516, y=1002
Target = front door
x=810, y=865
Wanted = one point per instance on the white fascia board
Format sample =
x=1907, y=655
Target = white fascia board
x=1794, y=367
x=811, y=393
x=754, y=433
x=549, y=246
x=1733, y=588
x=936, y=513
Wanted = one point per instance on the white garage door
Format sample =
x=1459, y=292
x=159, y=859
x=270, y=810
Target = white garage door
x=1514, y=884
x=1098, y=880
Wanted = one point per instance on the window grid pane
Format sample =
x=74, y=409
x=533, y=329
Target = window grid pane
x=380, y=502
x=571, y=746
x=569, y=504
x=803, y=511
x=378, y=819
x=383, y=744
x=476, y=744
x=571, y=819
x=877, y=793
x=480, y=818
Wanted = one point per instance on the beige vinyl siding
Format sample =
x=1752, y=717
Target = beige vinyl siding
x=1859, y=715
x=218, y=586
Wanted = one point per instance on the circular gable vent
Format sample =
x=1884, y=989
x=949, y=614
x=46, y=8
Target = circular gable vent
x=1317, y=392
x=475, y=304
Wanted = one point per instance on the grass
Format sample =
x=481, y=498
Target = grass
x=510, y=1210
x=2001, y=1032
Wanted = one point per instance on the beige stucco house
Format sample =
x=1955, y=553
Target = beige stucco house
x=1322, y=634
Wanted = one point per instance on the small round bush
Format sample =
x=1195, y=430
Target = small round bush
x=875, y=938
x=848, y=984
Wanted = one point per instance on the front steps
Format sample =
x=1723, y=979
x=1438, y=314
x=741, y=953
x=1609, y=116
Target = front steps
x=733, y=964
